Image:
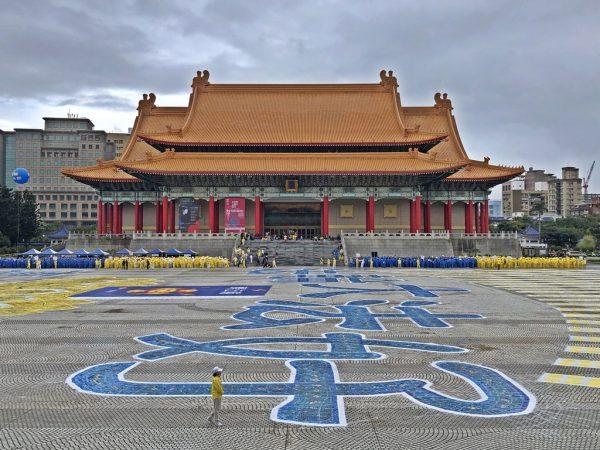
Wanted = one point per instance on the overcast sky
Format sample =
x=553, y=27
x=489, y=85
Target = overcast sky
x=523, y=76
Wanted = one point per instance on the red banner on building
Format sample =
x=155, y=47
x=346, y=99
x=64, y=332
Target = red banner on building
x=235, y=215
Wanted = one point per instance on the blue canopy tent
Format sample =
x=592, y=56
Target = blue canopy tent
x=65, y=252
x=156, y=252
x=47, y=252
x=173, y=252
x=98, y=252
x=141, y=252
x=124, y=252
x=189, y=252
x=31, y=252
x=81, y=252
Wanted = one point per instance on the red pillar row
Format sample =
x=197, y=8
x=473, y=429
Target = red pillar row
x=370, y=221
x=325, y=217
x=258, y=218
x=427, y=217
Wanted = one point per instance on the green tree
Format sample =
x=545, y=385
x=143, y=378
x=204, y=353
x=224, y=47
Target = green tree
x=18, y=215
x=587, y=243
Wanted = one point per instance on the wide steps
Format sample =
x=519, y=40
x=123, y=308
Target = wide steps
x=295, y=253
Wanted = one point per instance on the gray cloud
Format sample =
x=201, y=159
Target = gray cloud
x=523, y=76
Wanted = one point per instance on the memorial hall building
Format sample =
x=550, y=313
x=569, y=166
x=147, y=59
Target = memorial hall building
x=317, y=159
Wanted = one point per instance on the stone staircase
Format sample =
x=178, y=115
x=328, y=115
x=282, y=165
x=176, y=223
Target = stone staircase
x=295, y=253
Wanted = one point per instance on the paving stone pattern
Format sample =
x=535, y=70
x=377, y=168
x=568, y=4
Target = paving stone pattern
x=538, y=328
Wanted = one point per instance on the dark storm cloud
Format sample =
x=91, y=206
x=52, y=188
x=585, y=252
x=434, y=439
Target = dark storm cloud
x=103, y=101
x=523, y=76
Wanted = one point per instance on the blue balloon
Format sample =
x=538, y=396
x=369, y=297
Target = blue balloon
x=20, y=175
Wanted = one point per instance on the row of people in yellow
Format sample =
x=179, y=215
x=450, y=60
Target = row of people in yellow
x=529, y=262
x=180, y=262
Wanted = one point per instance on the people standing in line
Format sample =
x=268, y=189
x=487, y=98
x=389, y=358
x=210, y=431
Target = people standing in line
x=216, y=392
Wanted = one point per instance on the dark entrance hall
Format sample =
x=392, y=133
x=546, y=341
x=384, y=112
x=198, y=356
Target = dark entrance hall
x=302, y=217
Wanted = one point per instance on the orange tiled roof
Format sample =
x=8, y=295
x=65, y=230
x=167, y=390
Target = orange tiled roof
x=483, y=170
x=170, y=162
x=104, y=171
x=294, y=114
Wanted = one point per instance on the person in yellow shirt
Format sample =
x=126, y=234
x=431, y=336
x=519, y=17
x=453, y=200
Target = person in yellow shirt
x=216, y=392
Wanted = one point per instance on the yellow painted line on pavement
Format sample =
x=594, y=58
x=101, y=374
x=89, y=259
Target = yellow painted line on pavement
x=582, y=349
x=583, y=322
x=571, y=308
x=584, y=330
x=571, y=362
x=582, y=315
x=572, y=380
x=584, y=338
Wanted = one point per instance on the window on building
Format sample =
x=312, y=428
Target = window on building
x=83, y=146
x=73, y=215
x=52, y=215
x=73, y=206
x=63, y=215
x=63, y=206
x=52, y=205
x=84, y=214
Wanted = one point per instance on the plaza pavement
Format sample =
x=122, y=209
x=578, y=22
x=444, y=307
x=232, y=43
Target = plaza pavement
x=541, y=330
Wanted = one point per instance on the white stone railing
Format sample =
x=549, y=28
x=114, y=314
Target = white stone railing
x=432, y=235
x=181, y=235
x=152, y=235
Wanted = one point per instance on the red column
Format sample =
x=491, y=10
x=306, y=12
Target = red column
x=427, y=221
x=172, y=216
x=121, y=218
x=486, y=217
x=115, y=218
x=412, y=216
x=100, y=218
x=370, y=214
x=165, y=215
x=417, y=213
x=136, y=216
x=258, y=231
x=469, y=217
x=325, y=217
x=107, y=217
x=448, y=217
x=158, y=217
x=212, y=220
x=141, y=218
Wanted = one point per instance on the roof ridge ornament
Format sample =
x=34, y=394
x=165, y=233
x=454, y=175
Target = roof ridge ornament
x=486, y=160
x=388, y=79
x=146, y=104
x=201, y=78
x=413, y=130
x=442, y=101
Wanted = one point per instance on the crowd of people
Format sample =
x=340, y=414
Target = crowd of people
x=524, y=262
x=440, y=262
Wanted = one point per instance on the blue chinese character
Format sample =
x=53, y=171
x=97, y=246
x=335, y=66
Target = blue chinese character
x=314, y=394
x=354, y=315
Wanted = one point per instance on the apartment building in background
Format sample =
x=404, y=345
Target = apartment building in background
x=559, y=195
x=63, y=142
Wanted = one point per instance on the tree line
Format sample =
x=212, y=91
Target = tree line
x=19, y=221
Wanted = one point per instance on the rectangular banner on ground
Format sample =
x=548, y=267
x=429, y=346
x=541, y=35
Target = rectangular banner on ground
x=148, y=292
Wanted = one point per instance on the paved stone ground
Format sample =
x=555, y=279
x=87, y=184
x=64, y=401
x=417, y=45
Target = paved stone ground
x=540, y=328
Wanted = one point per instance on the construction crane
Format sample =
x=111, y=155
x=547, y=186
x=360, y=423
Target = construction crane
x=586, y=180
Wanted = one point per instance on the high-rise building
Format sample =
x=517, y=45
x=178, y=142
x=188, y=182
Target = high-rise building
x=64, y=142
x=570, y=190
x=559, y=195
x=7, y=157
x=119, y=141
x=495, y=209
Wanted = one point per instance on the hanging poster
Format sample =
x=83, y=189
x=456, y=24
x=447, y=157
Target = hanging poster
x=189, y=215
x=235, y=215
